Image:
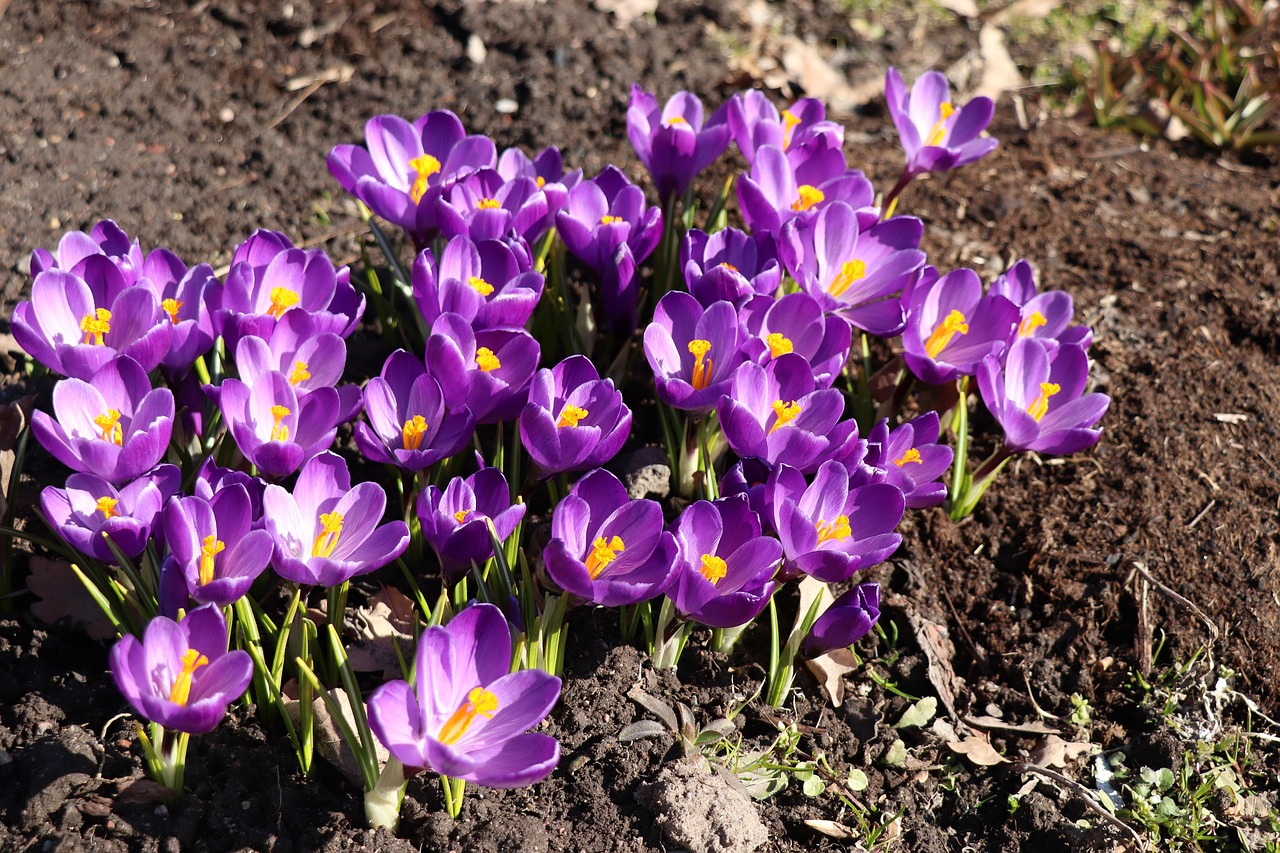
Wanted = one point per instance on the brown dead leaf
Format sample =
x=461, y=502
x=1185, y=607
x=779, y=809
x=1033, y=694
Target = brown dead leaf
x=62, y=596
x=379, y=628
x=625, y=12
x=978, y=750
x=1053, y=751
x=807, y=66
x=933, y=640
x=13, y=420
x=999, y=72
x=141, y=794
x=831, y=829
x=1033, y=728
x=830, y=670
x=328, y=737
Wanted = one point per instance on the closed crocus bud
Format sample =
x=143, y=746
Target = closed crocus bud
x=936, y=134
x=115, y=426
x=754, y=121
x=455, y=522
x=952, y=326
x=692, y=351
x=911, y=458
x=574, y=419
x=90, y=507
x=672, y=141
x=410, y=423
x=849, y=618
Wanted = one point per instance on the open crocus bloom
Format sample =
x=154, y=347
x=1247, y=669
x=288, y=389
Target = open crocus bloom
x=692, y=351
x=90, y=508
x=274, y=429
x=214, y=546
x=754, y=121
x=487, y=371
x=798, y=183
x=410, y=423
x=468, y=716
x=729, y=265
x=574, y=419
x=911, y=458
x=309, y=358
x=796, y=324
x=671, y=141
x=952, y=326
x=180, y=675
x=1044, y=315
x=482, y=280
x=936, y=134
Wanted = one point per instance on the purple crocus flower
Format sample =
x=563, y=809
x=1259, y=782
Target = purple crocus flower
x=211, y=479
x=849, y=618
x=483, y=281
x=1037, y=396
x=671, y=141
x=90, y=507
x=270, y=277
x=795, y=323
x=607, y=549
x=607, y=225
x=724, y=567
x=936, y=134
x=749, y=477
x=779, y=414
x=115, y=425
x=693, y=352
x=180, y=675
x=911, y=458
x=309, y=359
x=274, y=429
x=782, y=186
x=184, y=296
x=729, y=265
x=952, y=327
x=106, y=239
x=829, y=529
x=754, y=121
x=410, y=424
x=326, y=531
x=402, y=168
x=487, y=371
x=455, y=522
x=468, y=715
x=214, y=546
x=487, y=206
x=546, y=169
x=75, y=324
x=574, y=419
x=1044, y=315
x=854, y=271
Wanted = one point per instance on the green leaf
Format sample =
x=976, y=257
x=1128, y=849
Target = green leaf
x=918, y=714
x=814, y=786
x=857, y=781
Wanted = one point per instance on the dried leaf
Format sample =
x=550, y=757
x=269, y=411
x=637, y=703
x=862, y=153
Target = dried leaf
x=63, y=596
x=642, y=729
x=13, y=420
x=328, y=737
x=919, y=714
x=979, y=750
x=932, y=638
x=1053, y=751
x=626, y=11
x=999, y=71
x=142, y=793
x=807, y=65
x=831, y=829
x=830, y=670
x=387, y=622
x=655, y=706
x=1035, y=727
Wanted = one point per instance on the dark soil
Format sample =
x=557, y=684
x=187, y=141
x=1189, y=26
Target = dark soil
x=189, y=127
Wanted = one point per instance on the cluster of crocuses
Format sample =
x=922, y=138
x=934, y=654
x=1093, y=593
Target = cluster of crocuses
x=756, y=341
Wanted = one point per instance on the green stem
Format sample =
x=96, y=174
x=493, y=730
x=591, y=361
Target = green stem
x=453, y=789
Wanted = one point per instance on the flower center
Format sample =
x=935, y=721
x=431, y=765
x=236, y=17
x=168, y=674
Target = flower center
x=279, y=432
x=1031, y=323
x=282, y=299
x=730, y=267
x=109, y=423
x=461, y=515
x=609, y=219
x=779, y=344
x=180, y=693
x=540, y=181
x=327, y=538
x=675, y=120
x=413, y=430
x=602, y=554
x=424, y=167
x=570, y=415
x=486, y=360
x=95, y=325
x=702, y=365
x=809, y=196
x=1040, y=405
x=939, y=131
x=837, y=529
x=789, y=122
x=850, y=272
x=301, y=373
x=912, y=455
x=954, y=324
x=785, y=412
x=713, y=568
x=488, y=204
x=107, y=506
x=211, y=548
x=479, y=703
x=481, y=286
x=171, y=307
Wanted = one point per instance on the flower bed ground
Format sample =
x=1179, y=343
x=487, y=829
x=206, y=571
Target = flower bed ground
x=193, y=127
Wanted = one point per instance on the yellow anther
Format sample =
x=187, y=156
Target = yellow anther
x=954, y=324
x=809, y=196
x=1040, y=405
x=785, y=412
x=279, y=432
x=779, y=344
x=479, y=703
x=211, y=548
x=850, y=272
x=1031, y=323
x=301, y=373
x=424, y=167
x=702, y=366
x=570, y=415
x=609, y=219
x=912, y=455
x=713, y=568
x=282, y=299
x=180, y=693
x=488, y=204
x=412, y=432
x=540, y=181
x=486, y=360
x=95, y=325
x=729, y=266
x=107, y=506
x=789, y=122
x=674, y=120
x=602, y=554
x=939, y=130
x=838, y=529
x=461, y=515
x=327, y=538
x=171, y=307
x=480, y=286
x=109, y=423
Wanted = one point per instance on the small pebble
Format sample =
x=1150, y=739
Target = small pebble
x=506, y=106
x=162, y=811
x=55, y=222
x=226, y=115
x=476, y=51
